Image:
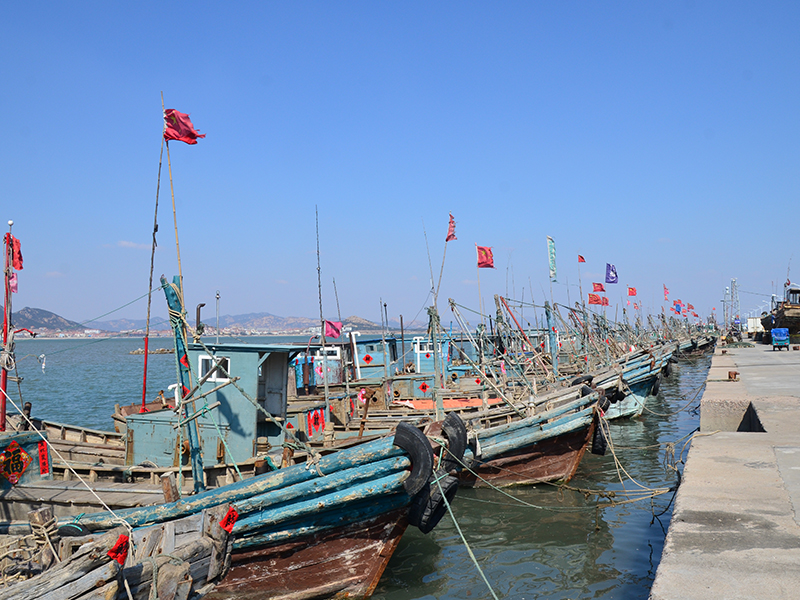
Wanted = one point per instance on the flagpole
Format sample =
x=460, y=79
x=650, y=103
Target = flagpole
x=150, y=284
x=478, y=269
x=174, y=212
x=322, y=326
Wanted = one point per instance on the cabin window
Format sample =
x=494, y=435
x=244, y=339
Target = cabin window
x=207, y=363
x=332, y=353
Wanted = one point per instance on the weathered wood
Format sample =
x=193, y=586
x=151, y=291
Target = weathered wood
x=109, y=591
x=345, y=478
x=92, y=580
x=359, y=455
x=345, y=562
x=86, y=561
x=263, y=518
x=323, y=523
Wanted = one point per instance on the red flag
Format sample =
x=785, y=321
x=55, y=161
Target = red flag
x=598, y=287
x=694, y=314
x=631, y=291
x=595, y=299
x=333, y=329
x=485, y=258
x=12, y=283
x=581, y=259
x=605, y=301
x=635, y=306
x=690, y=307
x=177, y=126
x=666, y=293
x=451, y=230
x=16, y=252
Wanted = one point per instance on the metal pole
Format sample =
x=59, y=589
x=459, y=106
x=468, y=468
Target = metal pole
x=6, y=323
x=217, y=316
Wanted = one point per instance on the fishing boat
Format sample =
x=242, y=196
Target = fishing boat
x=785, y=312
x=308, y=520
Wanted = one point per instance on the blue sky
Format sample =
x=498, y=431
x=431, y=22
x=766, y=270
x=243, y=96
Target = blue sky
x=661, y=137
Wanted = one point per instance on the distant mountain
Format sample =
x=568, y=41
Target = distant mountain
x=37, y=318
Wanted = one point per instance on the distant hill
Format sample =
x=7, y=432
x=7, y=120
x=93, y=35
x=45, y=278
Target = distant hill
x=37, y=318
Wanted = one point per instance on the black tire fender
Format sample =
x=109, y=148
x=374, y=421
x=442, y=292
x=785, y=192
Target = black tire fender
x=429, y=506
x=656, y=386
x=586, y=390
x=413, y=441
x=603, y=403
x=455, y=431
x=599, y=441
x=667, y=370
x=582, y=379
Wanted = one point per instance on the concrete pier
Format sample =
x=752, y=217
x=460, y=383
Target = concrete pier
x=735, y=532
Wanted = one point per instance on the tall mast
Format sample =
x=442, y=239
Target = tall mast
x=7, y=268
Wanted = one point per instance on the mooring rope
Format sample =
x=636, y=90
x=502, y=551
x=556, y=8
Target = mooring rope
x=464, y=540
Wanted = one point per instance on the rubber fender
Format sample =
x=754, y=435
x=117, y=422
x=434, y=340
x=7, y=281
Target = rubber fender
x=603, y=403
x=582, y=379
x=413, y=441
x=586, y=390
x=672, y=359
x=73, y=530
x=428, y=506
x=599, y=441
x=656, y=386
x=456, y=433
x=667, y=370
x=615, y=395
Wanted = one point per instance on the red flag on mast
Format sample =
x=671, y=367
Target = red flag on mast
x=595, y=299
x=16, y=253
x=631, y=291
x=605, y=301
x=581, y=259
x=177, y=126
x=485, y=258
x=451, y=230
x=598, y=287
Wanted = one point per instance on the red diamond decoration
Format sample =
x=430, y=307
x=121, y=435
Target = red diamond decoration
x=185, y=361
x=478, y=381
x=367, y=359
x=424, y=387
x=427, y=355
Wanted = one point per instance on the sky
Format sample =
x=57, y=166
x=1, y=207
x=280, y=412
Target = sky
x=661, y=137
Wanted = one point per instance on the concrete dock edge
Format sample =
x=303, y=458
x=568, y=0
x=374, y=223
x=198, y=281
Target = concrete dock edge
x=734, y=532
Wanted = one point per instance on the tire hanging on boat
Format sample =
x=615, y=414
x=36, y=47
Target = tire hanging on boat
x=599, y=441
x=413, y=441
x=428, y=506
x=656, y=386
x=456, y=433
x=582, y=379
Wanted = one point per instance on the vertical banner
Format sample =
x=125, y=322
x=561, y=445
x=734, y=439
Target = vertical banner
x=551, y=253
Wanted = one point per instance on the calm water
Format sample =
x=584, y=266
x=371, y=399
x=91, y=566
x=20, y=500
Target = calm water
x=566, y=549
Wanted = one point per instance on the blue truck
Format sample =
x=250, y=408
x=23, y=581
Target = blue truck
x=780, y=338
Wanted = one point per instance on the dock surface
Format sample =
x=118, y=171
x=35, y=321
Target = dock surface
x=735, y=532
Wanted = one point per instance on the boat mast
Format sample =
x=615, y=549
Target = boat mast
x=6, y=323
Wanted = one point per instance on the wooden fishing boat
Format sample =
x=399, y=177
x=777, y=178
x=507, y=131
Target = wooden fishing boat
x=312, y=520
x=785, y=312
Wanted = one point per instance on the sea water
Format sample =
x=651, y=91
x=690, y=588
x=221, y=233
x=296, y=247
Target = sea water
x=541, y=542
